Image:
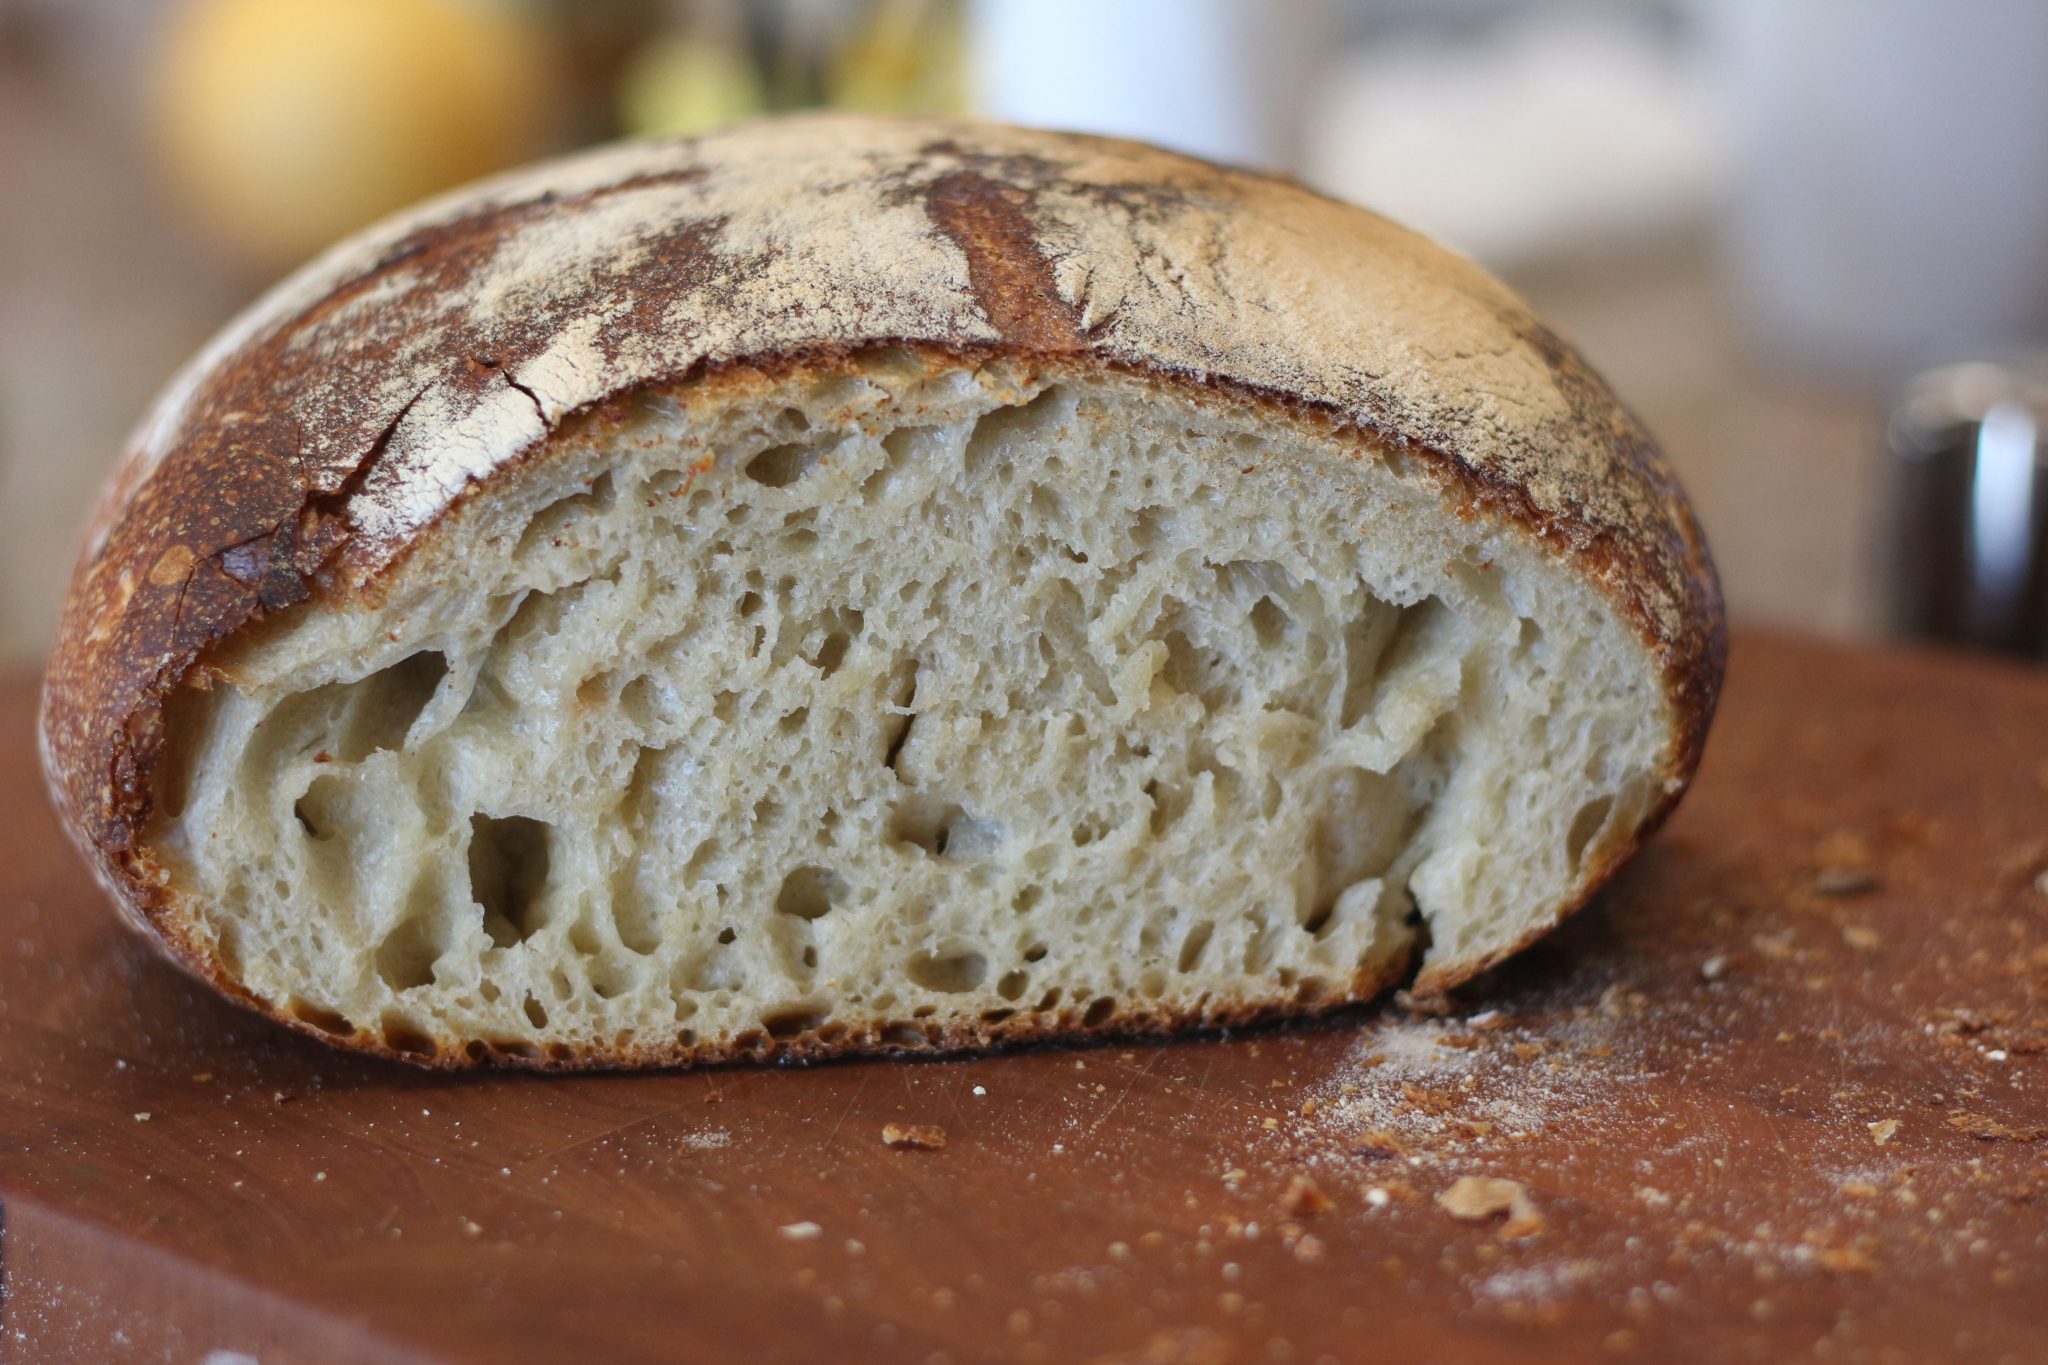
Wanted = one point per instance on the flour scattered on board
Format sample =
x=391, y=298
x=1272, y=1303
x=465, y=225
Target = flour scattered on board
x=704, y=1139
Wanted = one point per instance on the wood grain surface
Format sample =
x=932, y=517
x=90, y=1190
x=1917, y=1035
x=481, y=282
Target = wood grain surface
x=1782, y=1093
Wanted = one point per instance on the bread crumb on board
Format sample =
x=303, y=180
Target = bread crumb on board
x=1881, y=1131
x=1303, y=1198
x=1476, y=1198
x=1991, y=1130
x=800, y=1232
x=922, y=1137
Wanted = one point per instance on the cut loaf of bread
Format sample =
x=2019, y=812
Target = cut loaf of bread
x=849, y=584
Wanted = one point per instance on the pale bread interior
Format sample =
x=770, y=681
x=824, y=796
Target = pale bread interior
x=907, y=701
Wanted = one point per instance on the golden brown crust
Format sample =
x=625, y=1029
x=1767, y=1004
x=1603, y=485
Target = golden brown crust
x=340, y=420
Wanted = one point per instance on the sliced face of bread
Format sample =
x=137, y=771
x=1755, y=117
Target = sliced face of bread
x=860, y=585
x=900, y=701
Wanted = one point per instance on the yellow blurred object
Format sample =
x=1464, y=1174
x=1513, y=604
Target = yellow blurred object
x=679, y=86
x=286, y=123
x=906, y=59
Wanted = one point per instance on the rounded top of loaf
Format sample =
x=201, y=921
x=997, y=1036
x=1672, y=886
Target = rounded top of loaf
x=335, y=421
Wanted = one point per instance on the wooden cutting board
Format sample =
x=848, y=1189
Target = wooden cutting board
x=1780, y=1094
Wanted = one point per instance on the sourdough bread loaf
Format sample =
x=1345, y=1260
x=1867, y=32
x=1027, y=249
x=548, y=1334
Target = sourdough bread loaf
x=851, y=584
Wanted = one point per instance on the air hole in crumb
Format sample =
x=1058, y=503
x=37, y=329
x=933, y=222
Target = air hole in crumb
x=536, y=1013
x=832, y=652
x=950, y=972
x=1192, y=947
x=795, y=1021
x=1035, y=953
x=749, y=603
x=400, y=1035
x=903, y=1035
x=359, y=718
x=727, y=934
x=1026, y=898
x=1585, y=825
x=508, y=872
x=1013, y=985
x=902, y=693
x=1098, y=1012
x=1050, y=1000
x=1194, y=671
x=781, y=466
x=898, y=451
x=941, y=828
x=810, y=892
x=1269, y=622
x=319, y=810
x=406, y=957
x=320, y=1017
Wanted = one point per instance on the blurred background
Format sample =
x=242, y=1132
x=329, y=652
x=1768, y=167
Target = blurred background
x=1807, y=239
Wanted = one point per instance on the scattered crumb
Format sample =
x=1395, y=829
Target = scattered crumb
x=981, y=1090
x=1377, y=1197
x=1476, y=1198
x=1990, y=1129
x=471, y=1228
x=1776, y=946
x=2041, y=884
x=1858, y=1189
x=319, y=1176
x=142, y=1116
x=800, y=1232
x=1853, y=1260
x=1303, y=1198
x=202, y=1076
x=1861, y=937
x=1881, y=1131
x=1308, y=1247
x=1715, y=967
x=925, y=1137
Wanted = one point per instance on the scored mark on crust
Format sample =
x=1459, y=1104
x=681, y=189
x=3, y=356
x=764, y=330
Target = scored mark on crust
x=1010, y=276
